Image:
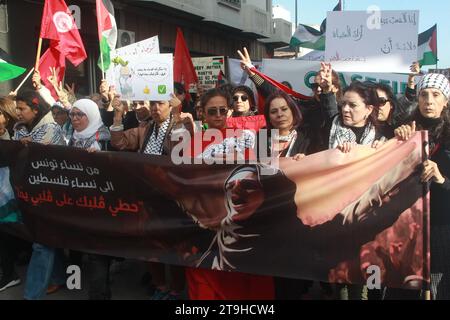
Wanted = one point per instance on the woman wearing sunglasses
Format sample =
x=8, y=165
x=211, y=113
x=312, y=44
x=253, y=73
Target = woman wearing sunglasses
x=316, y=111
x=211, y=284
x=243, y=102
x=215, y=105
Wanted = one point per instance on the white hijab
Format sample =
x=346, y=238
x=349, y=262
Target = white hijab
x=90, y=108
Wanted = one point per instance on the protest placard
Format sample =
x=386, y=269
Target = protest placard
x=378, y=41
x=208, y=70
x=139, y=72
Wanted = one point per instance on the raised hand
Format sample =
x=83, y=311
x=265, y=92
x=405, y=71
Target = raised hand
x=71, y=89
x=246, y=62
x=36, y=80
x=415, y=70
x=53, y=78
x=406, y=131
x=104, y=88
x=326, y=80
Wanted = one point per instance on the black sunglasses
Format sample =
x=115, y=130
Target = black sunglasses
x=382, y=101
x=243, y=98
x=213, y=111
x=314, y=86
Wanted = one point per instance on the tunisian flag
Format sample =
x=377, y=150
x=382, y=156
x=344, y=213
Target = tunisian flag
x=183, y=69
x=65, y=42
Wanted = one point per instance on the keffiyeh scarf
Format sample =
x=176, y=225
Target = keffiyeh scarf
x=340, y=134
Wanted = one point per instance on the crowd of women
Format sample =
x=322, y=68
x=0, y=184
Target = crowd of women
x=363, y=113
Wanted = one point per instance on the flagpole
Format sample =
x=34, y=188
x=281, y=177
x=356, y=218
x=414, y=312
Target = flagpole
x=101, y=61
x=23, y=81
x=38, y=55
x=297, y=49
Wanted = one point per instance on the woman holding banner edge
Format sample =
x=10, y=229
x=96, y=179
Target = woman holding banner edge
x=433, y=114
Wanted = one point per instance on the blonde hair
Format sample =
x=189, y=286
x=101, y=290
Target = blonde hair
x=8, y=109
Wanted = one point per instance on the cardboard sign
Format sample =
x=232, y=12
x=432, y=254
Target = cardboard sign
x=377, y=41
x=139, y=72
x=208, y=70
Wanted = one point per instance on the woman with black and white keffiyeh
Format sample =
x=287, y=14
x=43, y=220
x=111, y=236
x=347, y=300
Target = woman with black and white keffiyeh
x=356, y=121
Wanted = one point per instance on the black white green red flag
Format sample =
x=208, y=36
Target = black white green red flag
x=107, y=32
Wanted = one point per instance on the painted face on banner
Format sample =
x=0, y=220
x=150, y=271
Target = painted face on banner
x=281, y=117
x=244, y=194
x=354, y=110
x=216, y=111
x=431, y=103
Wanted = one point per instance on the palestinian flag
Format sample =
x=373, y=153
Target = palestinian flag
x=308, y=37
x=9, y=209
x=8, y=71
x=107, y=31
x=217, y=61
x=427, y=51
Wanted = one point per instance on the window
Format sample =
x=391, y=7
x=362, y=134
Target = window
x=232, y=3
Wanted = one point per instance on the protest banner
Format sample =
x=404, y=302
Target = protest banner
x=301, y=75
x=138, y=72
x=328, y=217
x=208, y=70
x=378, y=41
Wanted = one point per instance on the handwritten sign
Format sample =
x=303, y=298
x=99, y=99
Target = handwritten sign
x=379, y=41
x=139, y=72
x=143, y=77
x=208, y=70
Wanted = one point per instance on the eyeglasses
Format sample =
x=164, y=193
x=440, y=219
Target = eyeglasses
x=382, y=101
x=76, y=115
x=243, y=98
x=314, y=86
x=217, y=111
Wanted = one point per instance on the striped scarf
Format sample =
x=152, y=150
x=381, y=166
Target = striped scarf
x=155, y=143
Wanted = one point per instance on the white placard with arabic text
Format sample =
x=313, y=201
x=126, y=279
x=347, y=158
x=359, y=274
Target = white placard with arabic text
x=378, y=41
x=139, y=72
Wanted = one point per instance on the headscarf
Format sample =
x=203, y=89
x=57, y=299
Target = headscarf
x=90, y=108
x=436, y=81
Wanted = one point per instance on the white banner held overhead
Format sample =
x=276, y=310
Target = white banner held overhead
x=378, y=41
x=301, y=75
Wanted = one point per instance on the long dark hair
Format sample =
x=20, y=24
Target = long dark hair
x=296, y=114
x=391, y=97
x=367, y=92
x=33, y=100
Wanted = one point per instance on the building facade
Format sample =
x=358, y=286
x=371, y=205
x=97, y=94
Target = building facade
x=210, y=27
